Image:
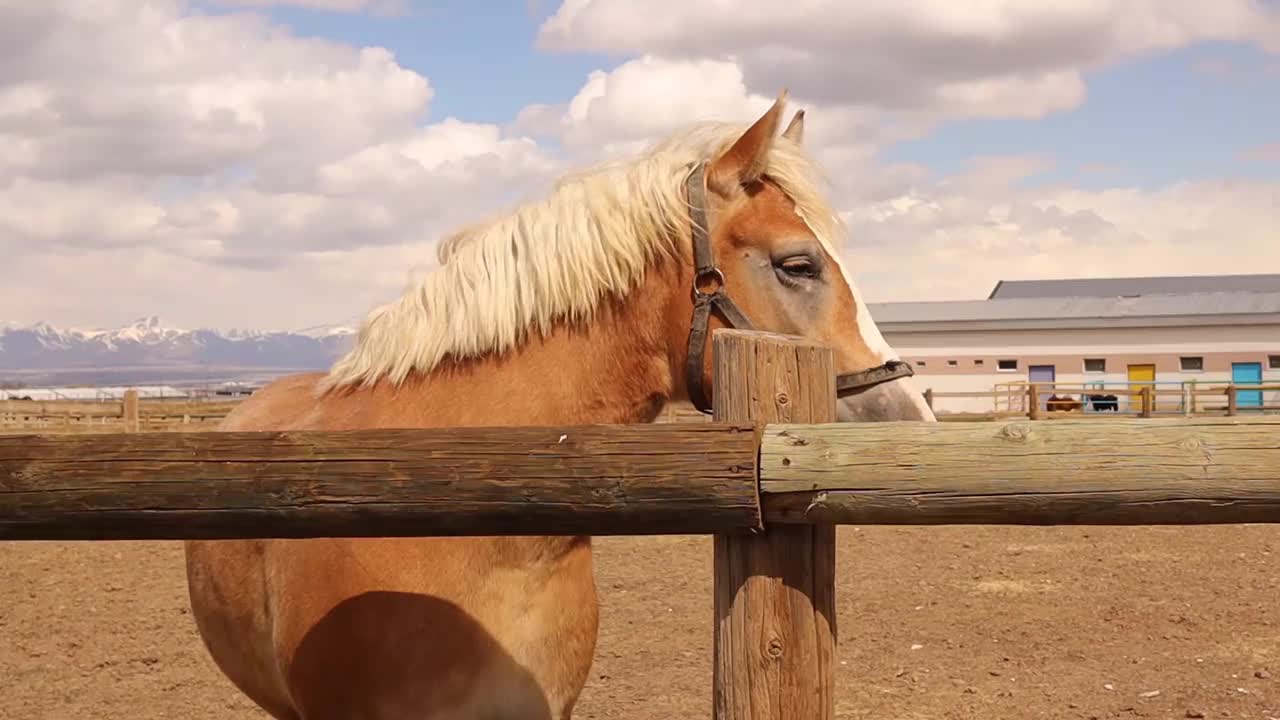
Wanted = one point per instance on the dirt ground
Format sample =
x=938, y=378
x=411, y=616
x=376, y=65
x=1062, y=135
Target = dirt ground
x=975, y=622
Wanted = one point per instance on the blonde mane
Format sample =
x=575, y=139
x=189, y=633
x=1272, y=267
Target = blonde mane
x=554, y=260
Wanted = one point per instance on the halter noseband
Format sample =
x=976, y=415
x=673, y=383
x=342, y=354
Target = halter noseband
x=708, y=294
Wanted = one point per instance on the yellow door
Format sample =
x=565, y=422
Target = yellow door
x=1140, y=375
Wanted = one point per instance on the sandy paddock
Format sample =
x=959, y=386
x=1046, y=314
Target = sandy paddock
x=957, y=622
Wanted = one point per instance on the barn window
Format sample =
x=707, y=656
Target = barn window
x=953, y=363
x=1191, y=364
x=1006, y=365
x=1095, y=365
x=977, y=363
x=1273, y=362
x=919, y=363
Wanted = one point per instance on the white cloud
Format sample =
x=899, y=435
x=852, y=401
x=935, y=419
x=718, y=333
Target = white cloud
x=1013, y=57
x=134, y=88
x=914, y=235
x=408, y=190
x=624, y=110
x=376, y=6
x=955, y=237
x=221, y=170
x=39, y=215
x=107, y=287
x=650, y=96
x=217, y=144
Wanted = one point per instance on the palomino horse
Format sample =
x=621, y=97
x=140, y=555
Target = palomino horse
x=576, y=309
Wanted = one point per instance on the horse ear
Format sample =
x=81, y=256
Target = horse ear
x=744, y=162
x=795, y=129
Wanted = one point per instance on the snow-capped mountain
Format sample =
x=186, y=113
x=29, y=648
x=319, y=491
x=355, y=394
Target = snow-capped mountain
x=148, y=342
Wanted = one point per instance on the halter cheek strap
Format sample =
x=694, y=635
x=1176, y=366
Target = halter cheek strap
x=709, y=294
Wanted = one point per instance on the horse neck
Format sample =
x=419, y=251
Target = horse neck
x=615, y=369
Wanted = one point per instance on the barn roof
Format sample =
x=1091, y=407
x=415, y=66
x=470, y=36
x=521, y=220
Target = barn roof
x=1084, y=311
x=1130, y=286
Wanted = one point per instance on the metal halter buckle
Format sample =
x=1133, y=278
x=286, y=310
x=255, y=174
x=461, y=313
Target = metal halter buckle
x=709, y=274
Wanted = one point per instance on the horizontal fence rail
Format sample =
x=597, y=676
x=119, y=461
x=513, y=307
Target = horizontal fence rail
x=631, y=479
x=1130, y=472
x=636, y=479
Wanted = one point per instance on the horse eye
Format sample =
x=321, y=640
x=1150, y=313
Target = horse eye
x=799, y=266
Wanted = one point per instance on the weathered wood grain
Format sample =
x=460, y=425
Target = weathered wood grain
x=1132, y=472
x=461, y=481
x=774, y=649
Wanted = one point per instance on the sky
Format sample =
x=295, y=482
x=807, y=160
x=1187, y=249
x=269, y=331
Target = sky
x=279, y=164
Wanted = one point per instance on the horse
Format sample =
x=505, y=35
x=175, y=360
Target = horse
x=1064, y=403
x=593, y=305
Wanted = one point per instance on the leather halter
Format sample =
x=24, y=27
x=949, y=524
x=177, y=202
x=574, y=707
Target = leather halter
x=709, y=294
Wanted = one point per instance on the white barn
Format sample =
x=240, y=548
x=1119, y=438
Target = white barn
x=1112, y=334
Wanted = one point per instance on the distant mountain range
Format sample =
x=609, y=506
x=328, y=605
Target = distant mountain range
x=147, y=349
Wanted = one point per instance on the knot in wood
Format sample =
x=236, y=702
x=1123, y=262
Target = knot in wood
x=1016, y=431
x=782, y=398
x=774, y=648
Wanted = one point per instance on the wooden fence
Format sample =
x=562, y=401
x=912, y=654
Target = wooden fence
x=1032, y=400
x=770, y=477
x=131, y=414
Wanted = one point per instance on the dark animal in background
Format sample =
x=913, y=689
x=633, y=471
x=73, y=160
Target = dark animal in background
x=1104, y=403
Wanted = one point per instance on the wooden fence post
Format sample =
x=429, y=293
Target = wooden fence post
x=1148, y=393
x=1233, y=406
x=131, y=423
x=1033, y=401
x=775, y=634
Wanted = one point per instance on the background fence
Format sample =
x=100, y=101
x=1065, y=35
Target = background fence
x=131, y=414
x=1034, y=401
x=1041, y=401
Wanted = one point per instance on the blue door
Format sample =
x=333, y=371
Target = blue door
x=1042, y=374
x=1247, y=374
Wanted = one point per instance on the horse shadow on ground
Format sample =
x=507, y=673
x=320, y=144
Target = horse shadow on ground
x=383, y=654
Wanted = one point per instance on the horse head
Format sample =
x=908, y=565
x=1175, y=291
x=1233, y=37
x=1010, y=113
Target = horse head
x=763, y=254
